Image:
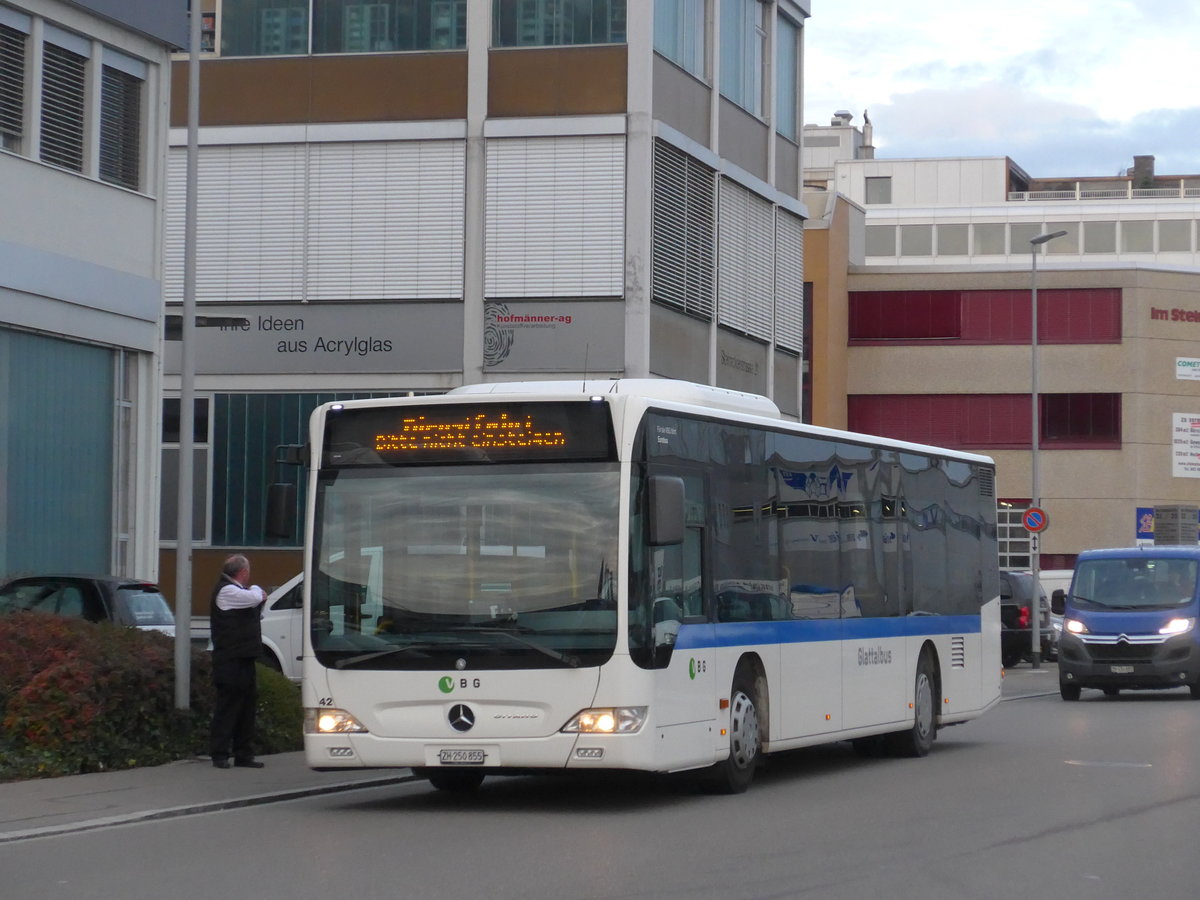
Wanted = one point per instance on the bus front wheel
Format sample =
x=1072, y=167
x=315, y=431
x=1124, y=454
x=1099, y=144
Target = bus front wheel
x=734, y=774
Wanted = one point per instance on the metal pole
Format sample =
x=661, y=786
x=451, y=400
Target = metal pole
x=1035, y=499
x=1035, y=491
x=187, y=367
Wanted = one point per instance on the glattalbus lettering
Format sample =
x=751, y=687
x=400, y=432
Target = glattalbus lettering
x=874, y=656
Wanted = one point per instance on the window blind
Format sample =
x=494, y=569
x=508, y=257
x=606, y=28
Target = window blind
x=745, y=286
x=12, y=87
x=789, y=281
x=684, y=236
x=556, y=217
x=120, y=128
x=62, y=107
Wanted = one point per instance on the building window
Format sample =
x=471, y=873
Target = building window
x=916, y=240
x=1080, y=420
x=989, y=239
x=787, y=78
x=1012, y=538
x=554, y=23
x=264, y=27
x=169, y=495
x=1099, y=237
x=990, y=421
x=120, y=127
x=881, y=240
x=878, y=190
x=952, y=240
x=1065, y=316
x=679, y=33
x=352, y=26
x=1137, y=237
x=743, y=38
x=12, y=87
x=63, y=104
x=1174, y=235
x=684, y=232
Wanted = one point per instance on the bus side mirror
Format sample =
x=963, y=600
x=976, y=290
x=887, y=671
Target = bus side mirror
x=1058, y=601
x=666, y=510
x=281, y=507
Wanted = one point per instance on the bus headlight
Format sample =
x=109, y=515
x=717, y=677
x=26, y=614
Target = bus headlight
x=1178, y=626
x=1074, y=626
x=607, y=720
x=331, y=721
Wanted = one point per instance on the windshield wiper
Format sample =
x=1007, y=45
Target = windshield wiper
x=566, y=659
x=351, y=661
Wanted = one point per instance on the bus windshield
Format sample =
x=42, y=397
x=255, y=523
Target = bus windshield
x=1142, y=583
x=433, y=568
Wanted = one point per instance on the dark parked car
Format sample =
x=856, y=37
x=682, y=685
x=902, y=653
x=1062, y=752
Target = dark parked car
x=1016, y=620
x=95, y=598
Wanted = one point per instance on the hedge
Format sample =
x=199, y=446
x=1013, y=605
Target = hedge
x=79, y=697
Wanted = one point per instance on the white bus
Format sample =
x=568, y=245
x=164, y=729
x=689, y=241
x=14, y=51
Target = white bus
x=634, y=574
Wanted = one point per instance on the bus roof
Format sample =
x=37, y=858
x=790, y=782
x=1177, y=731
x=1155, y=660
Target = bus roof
x=1170, y=551
x=686, y=393
x=647, y=388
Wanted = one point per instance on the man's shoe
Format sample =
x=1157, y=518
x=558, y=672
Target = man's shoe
x=220, y=764
x=248, y=764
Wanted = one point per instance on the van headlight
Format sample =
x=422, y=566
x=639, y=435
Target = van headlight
x=324, y=720
x=1178, y=626
x=607, y=720
x=1074, y=626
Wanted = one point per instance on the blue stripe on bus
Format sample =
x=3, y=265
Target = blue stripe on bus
x=736, y=634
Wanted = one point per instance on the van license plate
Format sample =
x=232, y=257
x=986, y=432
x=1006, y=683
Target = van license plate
x=461, y=757
x=1121, y=670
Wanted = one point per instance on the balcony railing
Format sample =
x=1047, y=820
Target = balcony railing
x=1129, y=192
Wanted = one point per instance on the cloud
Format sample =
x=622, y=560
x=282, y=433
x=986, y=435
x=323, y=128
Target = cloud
x=1046, y=137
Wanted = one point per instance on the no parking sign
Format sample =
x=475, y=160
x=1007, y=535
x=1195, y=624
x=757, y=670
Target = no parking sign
x=1034, y=519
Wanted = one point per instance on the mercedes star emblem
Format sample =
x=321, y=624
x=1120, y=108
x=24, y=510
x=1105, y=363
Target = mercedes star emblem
x=461, y=717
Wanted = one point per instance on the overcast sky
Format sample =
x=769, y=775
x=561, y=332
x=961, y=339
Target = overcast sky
x=1063, y=87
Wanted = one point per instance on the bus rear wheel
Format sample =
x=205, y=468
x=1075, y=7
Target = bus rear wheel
x=734, y=774
x=918, y=740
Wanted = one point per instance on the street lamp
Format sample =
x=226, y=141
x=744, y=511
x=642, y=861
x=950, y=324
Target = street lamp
x=1035, y=492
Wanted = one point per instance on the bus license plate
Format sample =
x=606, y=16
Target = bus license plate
x=1121, y=670
x=461, y=757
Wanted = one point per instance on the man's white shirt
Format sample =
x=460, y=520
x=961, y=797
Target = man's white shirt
x=234, y=596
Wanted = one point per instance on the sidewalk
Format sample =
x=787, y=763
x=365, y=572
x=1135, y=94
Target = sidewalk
x=1026, y=681
x=51, y=806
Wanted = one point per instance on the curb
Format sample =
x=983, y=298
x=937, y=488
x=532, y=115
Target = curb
x=152, y=815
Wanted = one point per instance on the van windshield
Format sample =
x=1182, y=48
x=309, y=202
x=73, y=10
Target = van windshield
x=1134, y=583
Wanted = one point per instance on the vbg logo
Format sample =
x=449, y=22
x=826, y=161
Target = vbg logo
x=446, y=684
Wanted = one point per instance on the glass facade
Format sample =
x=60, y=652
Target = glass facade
x=56, y=456
x=743, y=37
x=552, y=23
x=347, y=26
x=679, y=33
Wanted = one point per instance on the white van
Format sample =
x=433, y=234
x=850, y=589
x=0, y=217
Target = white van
x=1052, y=580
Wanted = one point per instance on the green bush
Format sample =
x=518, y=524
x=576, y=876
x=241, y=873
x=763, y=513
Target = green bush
x=79, y=697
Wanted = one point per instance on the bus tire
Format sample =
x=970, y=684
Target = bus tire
x=918, y=740
x=734, y=774
x=1069, y=692
x=456, y=781
x=1195, y=690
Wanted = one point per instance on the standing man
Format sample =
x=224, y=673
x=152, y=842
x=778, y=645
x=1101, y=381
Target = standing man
x=235, y=614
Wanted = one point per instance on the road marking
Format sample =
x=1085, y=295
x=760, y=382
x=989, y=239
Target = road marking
x=1108, y=765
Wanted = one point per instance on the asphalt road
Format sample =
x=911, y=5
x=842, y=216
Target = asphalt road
x=1094, y=799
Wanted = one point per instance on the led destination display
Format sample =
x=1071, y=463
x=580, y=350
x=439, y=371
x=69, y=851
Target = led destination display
x=469, y=432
